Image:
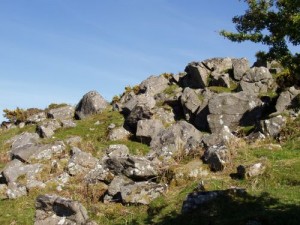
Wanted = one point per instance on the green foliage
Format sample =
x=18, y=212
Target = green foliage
x=274, y=23
x=19, y=115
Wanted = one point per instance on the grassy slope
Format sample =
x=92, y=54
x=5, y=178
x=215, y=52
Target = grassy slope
x=273, y=198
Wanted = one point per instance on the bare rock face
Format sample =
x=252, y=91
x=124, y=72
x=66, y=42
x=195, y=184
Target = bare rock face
x=285, y=99
x=272, y=127
x=62, y=113
x=217, y=157
x=52, y=210
x=179, y=138
x=91, y=103
x=240, y=67
x=154, y=85
x=80, y=162
x=147, y=129
x=232, y=110
x=257, y=80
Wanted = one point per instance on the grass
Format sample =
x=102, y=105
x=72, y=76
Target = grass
x=272, y=198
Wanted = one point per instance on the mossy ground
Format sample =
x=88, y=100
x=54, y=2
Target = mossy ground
x=273, y=198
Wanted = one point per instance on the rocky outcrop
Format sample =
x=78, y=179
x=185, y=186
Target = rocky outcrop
x=91, y=103
x=257, y=80
x=61, y=113
x=251, y=170
x=272, y=127
x=147, y=129
x=53, y=209
x=80, y=162
x=180, y=138
x=224, y=111
x=153, y=85
x=285, y=99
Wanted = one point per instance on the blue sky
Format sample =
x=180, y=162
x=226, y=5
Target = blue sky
x=54, y=51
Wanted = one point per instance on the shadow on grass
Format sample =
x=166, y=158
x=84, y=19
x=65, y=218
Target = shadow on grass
x=232, y=210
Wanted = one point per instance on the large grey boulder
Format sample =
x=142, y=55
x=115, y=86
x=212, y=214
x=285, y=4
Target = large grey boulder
x=118, y=133
x=195, y=106
x=142, y=100
x=217, y=157
x=272, y=127
x=139, y=112
x=154, y=85
x=47, y=128
x=36, y=118
x=31, y=152
x=80, y=162
x=257, y=80
x=147, y=129
x=180, y=138
x=62, y=113
x=240, y=67
x=91, y=103
x=218, y=65
x=232, y=110
x=136, y=168
x=197, y=75
x=23, y=139
x=15, y=190
x=53, y=210
x=285, y=99
x=15, y=168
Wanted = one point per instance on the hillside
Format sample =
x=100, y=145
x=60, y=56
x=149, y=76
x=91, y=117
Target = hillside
x=216, y=144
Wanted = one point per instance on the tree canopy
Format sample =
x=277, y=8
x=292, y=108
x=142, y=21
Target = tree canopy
x=275, y=23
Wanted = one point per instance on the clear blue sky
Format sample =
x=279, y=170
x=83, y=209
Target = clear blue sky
x=54, y=51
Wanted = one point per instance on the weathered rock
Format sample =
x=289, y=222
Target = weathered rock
x=52, y=209
x=223, y=137
x=23, y=139
x=218, y=65
x=136, y=168
x=114, y=188
x=197, y=75
x=117, y=150
x=195, y=106
x=285, y=99
x=141, y=192
x=221, y=80
x=223, y=110
x=15, y=168
x=142, y=100
x=272, y=127
x=154, y=85
x=118, y=133
x=99, y=174
x=62, y=113
x=36, y=118
x=240, y=67
x=217, y=157
x=91, y=103
x=80, y=162
x=191, y=171
x=257, y=80
x=68, y=123
x=37, y=151
x=165, y=115
x=176, y=139
x=47, y=128
x=15, y=190
x=138, y=113
x=147, y=129
x=253, y=170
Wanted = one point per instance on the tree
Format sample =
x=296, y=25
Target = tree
x=274, y=23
